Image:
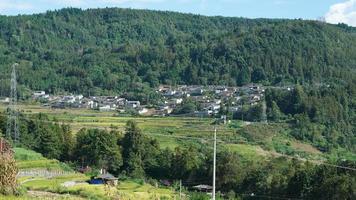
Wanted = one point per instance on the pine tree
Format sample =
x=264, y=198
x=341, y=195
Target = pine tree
x=48, y=143
x=275, y=113
x=133, y=147
x=244, y=77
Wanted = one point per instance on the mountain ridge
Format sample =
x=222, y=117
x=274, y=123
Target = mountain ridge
x=110, y=50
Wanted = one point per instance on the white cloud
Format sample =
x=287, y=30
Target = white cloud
x=342, y=13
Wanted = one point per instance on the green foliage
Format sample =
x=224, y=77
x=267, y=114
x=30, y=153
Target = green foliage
x=106, y=51
x=139, y=152
x=274, y=113
x=99, y=148
x=184, y=163
x=133, y=149
x=229, y=165
x=322, y=115
x=244, y=77
x=253, y=113
x=187, y=107
x=199, y=196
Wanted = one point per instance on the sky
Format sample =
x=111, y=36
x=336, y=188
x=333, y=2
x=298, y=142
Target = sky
x=333, y=11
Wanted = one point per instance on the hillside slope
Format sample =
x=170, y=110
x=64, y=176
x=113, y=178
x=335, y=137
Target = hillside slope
x=100, y=51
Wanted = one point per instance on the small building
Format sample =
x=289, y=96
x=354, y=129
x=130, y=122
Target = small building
x=203, y=188
x=235, y=108
x=106, y=108
x=170, y=93
x=196, y=91
x=5, y=100
x=220, y=89
x=37, y=94
x=177, y=101
x=106, y=178
x=142, y=111
x=79, y=97
x=69, y=99
x=204, y=113
x=217, y=101
x=133, y=104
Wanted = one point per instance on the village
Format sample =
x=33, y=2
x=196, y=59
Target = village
x=208, y=100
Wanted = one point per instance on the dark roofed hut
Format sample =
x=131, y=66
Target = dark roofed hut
x=203, y=188
x=106, y=178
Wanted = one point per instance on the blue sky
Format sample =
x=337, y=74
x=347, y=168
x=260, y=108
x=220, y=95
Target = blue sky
x=333, y=10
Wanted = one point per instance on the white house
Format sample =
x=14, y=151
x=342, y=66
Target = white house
x=133, y=104
x=38, y=94
x=177, y=101
x=106, y=108
x=69, y=99
x=142, y=111
x=6, y=100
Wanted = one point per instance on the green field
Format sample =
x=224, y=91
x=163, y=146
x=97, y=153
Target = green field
x=181, y=131
x=27, y=160
x=51, y=187
x=245, y=139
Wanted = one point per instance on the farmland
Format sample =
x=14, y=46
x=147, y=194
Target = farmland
x=254, y=142
x=53, y=187
x=248, y=139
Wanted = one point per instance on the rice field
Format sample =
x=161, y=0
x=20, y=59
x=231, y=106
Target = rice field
x=167, y=130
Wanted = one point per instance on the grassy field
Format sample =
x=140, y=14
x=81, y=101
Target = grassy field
x=26, y=159
x=128, y=189
x=161, y=128
x=48, y=187
x=176, y=131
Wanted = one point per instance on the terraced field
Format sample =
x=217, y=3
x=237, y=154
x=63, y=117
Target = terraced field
x=181, y=131
x=46, y=183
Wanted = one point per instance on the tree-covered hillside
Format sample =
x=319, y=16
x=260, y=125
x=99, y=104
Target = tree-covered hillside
x=102, y=51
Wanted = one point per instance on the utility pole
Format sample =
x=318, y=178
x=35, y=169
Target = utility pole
x=242, y=111
x=12, y=130
x=214, y=167
x=180, y=189
x=264, y=111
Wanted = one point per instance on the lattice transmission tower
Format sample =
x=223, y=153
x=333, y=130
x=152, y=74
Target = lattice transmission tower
x=12, y=130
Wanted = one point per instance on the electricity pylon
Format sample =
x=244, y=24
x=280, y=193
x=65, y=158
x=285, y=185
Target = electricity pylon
x=12, y=130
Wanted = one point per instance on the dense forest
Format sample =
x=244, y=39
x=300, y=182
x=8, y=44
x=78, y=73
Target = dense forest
x=103, y=51
x=133, y=154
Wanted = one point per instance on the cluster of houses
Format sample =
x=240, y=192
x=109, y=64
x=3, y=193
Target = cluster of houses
x=102, y=103
x=208, y=99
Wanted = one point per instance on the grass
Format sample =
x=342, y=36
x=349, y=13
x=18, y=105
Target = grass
x=27, y=159
x=162, y=128
x=27, y=155
x=128, y=189
x=51, y=188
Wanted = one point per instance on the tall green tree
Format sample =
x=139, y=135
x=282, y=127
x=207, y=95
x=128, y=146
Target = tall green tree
x=99, y=148
x=133, y=150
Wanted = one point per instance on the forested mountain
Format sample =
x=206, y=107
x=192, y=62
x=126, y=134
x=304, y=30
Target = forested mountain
x=103, y=51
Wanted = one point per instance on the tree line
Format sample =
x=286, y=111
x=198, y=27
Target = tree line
x=133, y=154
